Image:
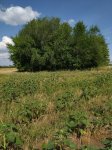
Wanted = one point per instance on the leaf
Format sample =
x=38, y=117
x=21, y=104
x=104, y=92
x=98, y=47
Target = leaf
x=49, y=146
x=10, y=137
x=18, y=141
x=70, y=144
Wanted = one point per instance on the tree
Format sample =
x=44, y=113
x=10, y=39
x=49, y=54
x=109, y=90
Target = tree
x=98, y=46
x=79, y=44
x=90, y=48
x=49, y=44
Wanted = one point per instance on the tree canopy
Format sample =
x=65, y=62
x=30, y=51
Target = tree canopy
x=49, y=44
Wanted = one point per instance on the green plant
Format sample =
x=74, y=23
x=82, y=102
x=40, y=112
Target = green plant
x=15, y=87
x=108, y=144
x=89, y=90
x=98, y=110
x=48, y=146
x=77, y=122
x=89, y=148
x=31, y=110
x=64, y=101
x=62, y=145
x=48, y=106
x=9, y=136
x=60, y=142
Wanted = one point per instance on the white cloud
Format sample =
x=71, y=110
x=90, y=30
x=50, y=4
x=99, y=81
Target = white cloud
x=16, y=15
x=4, y=55
x=71, y=21
x=3, y=44
x=4, y=59
x=5, y=62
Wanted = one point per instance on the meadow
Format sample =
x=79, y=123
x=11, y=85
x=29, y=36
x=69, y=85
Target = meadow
x=63, y=110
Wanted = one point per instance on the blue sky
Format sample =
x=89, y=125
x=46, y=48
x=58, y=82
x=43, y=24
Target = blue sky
x=92, y=12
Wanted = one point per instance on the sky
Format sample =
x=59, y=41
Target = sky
x=15, y=13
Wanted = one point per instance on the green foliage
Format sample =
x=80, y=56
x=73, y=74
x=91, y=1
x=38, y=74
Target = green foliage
x=49, y=44
x=9, y=136
x=31, y=110
x=59, y=109
x=77, y=122
x=59, y=143
x=89, y=90
x=49, y=146
x=16, y=87
x=64, y=101
x=102, y=114
x=89, y=148
x=101, y=80
x=108, y=144
x=70, y=144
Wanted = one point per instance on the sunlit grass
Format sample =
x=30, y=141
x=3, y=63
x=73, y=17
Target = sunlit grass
x=36, y=108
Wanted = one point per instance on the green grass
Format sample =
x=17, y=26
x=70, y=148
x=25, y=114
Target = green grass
x=56, y=110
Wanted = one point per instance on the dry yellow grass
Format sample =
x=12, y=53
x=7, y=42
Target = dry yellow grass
x=7, y=70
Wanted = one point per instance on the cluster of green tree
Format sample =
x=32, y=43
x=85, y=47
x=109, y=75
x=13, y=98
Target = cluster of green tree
x=49, y=44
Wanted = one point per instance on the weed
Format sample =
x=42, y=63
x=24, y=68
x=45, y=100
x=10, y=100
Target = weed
x=9, y=136
x=16, y=87
x=57, y=108
x=31, y=110
x=108, y=144
x=64, y=101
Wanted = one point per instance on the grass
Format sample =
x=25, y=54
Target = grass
x=62, y=110
x=7, y=70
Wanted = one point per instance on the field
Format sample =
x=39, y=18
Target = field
x=7, y=70
x=64, y=110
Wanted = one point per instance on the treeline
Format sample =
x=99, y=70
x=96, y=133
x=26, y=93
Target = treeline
x=49, y=44
x=7, y=66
